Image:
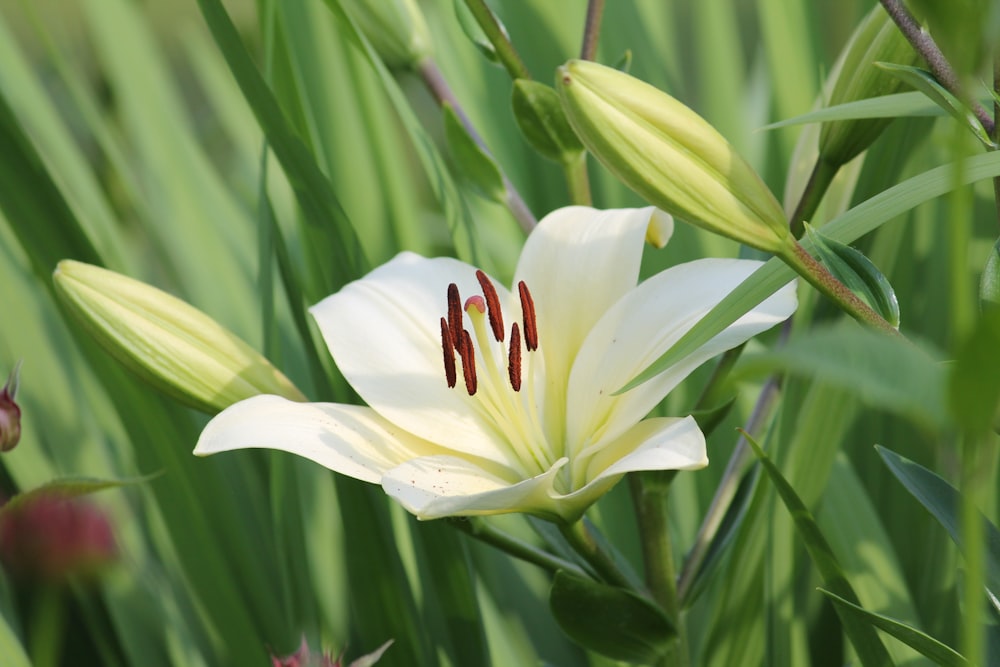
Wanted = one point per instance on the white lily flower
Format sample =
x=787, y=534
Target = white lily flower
x=505, y=403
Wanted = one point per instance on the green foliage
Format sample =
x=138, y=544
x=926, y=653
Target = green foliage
x=251, y=158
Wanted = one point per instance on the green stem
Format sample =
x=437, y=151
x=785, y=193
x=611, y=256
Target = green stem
x=650, y=495
x=577, y=180
x=485, y=532
x=817, y=185
x=819, y=277
x=498, y=38
x=442, y=93
x=580, y=538
x=48, y=618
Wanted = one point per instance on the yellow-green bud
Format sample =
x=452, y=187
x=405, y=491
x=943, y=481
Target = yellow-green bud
x=169, y=343
x=670, y=155
x=856, y=77
x=396, y=28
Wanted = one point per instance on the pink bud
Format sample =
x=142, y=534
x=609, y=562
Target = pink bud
x=10, y=413
x=52, y=538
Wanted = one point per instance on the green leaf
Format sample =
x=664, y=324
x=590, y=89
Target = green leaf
x=974, y=384
x=608, y=620
x=925, y=82
x=543, y=123
x=853, y=224
x=941, y=654
x=858, y=273
x=863, y=637
x=475, y=165
x=313, y=190
x=896, y=105
x=71, y=487
x=624, y=63
x=885, y=372
x=942, y=500
x=475, y=34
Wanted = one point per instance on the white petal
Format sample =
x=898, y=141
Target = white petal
x=577, y=263
x=640, y=328
x=652, y=444
x=384, y=333
x=439, y=486
x=349, y=439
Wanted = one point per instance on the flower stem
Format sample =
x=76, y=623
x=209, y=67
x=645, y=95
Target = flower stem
x=650, y=495
x=817, y=185
x=824, y=281
x=48, y=619
x=439, y=88
x=485, y=532
x=499, y=39
x=585, y=544
x=578, y=180
x=942, y=70
x=592, y=29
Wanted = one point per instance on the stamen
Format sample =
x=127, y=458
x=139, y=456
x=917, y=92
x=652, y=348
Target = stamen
x=528, y=308
x=448, y=347
x=493, y=305
x=455, y=316
x=468, y=354
x=514, y=358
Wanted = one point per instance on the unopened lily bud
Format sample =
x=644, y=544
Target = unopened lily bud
x=169, y=343
x=396, y=28
x=53, y=538
x=856, y=77
x=10, y=412
x=670, y=155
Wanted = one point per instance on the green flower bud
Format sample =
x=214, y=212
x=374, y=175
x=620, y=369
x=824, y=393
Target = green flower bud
x=396, y=29
x=855, y=77
x=169, y=343
x=670, y=155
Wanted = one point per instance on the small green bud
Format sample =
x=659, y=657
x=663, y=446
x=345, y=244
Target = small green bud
x=395, y=28
x=856, y=77
x=169, y=343
x=670, y=155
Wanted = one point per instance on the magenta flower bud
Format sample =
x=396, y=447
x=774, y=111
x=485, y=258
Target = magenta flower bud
x=10, y=412
x=303, y=657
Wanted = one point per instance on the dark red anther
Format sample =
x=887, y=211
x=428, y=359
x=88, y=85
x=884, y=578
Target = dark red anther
x=528, y=308
x=492, y=305
x=448, y=347
x=514, y=358
x=455, y=316
x=468, y=354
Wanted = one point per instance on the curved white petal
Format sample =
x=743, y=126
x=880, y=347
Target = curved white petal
x=384, y=333
x=652, y=444
x=640, y=328
x=577, y=264
x=349, y=439
x=439, y=486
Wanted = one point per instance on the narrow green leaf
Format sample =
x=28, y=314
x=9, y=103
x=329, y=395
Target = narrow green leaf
x=71, y=487
x=925, y=82
x=475, y=165
x=313, y=190
x=853, y=224
x=542, y=120
x=475, y=34
x=884, y=372
x=10, y=646
x=858, y=273
x=896, y=105
x=940, y=653
x=863, y=637
x=608, y=620
x=944, y=502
